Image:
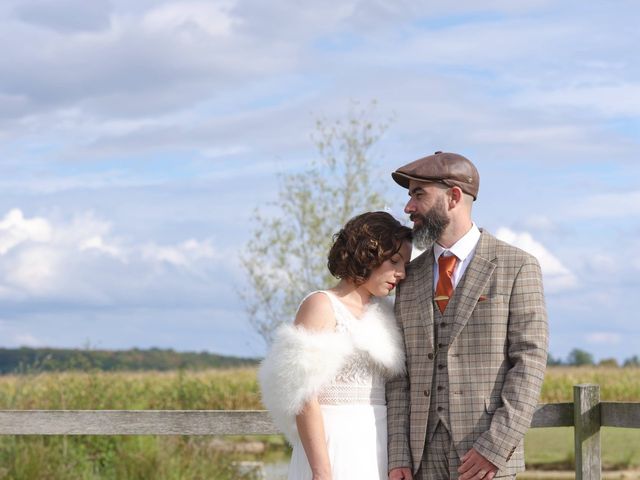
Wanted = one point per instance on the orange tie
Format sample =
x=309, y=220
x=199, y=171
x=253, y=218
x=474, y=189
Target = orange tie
x=444, y=289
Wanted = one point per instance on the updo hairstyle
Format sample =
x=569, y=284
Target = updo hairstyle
x=364, y=243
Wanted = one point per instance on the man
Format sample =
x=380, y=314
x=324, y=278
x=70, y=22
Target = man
x=475, y=330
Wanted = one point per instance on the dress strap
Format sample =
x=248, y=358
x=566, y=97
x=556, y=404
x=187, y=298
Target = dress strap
x=340, y=311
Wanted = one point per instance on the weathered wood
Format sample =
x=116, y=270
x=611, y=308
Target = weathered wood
x=619, y=414
x=135, y=422
x=586, y=414
x=234, y=422
x=553, y=415
x=184, y=422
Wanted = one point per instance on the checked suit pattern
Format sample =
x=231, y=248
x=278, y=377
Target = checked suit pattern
x=495, y=358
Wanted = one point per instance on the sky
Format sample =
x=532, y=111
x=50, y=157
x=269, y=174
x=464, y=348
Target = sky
x=137, y=140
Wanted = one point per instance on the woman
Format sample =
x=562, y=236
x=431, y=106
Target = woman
x=323, y=379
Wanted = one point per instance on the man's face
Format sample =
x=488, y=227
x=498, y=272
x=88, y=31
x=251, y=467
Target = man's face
x=427, y=209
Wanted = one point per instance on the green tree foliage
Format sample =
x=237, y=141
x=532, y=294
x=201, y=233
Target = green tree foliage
x=608, y=362
x=632, y=361
x=579, y=357
x=28, y=360
x=286, y=256
x=553, y=361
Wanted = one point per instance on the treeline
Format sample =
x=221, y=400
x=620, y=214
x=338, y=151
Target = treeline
x=31, y=360
x=578, y=357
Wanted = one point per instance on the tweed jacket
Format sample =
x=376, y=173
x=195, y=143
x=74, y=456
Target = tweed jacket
x=496, y=358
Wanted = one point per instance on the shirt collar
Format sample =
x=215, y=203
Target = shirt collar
x=463, y=247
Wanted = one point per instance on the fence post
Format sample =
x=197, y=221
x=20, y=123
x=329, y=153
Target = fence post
x=586, y=416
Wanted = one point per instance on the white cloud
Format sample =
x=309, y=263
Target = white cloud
x=15, y=229
x=611, y=338
x=187, y=254
x=602, y=263
x=82, y=261
x=65, y=16
x=186, y=18
x=620, y=99
x=541, y=223
x=556, y=276
x=625, y=204
x=14, y=335
x=98, y=244
x=27, y=340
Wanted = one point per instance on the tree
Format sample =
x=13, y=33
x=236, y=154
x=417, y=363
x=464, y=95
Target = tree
x=608, y=362
x=553, y=361
x=579, y=357
x=286, y=256
x=632, y=361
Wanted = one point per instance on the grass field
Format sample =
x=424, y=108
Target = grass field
x=144, y=457
x=552, y=448
x=231, y=389
x=123, y=457
x=616, y=384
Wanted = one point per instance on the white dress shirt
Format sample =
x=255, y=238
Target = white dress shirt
x=464, y=249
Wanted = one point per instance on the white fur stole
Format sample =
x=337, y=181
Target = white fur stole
x=300, y=362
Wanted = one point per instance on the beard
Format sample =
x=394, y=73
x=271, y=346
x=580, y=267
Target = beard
x=430, y=226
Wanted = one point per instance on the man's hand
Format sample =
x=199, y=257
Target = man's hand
x=402, y=473
x=475, y=466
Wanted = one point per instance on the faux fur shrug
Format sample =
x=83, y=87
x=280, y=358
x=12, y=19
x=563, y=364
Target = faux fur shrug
x=301, y=362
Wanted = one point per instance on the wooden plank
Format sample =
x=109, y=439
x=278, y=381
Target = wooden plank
x=619, y=414
x=553, y=415
x=135, y=422
x=234, y=422
x=586, y=414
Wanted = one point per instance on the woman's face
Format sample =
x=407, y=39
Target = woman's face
x=385, y=278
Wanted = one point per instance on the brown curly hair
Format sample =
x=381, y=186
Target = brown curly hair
x=364, y=243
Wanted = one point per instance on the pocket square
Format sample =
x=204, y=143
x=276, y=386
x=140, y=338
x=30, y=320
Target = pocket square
x=482, y=298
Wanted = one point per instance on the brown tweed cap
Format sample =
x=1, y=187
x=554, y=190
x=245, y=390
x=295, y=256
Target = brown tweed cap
x=448, y=168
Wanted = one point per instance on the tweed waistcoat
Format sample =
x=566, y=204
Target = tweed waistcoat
x=439, y=406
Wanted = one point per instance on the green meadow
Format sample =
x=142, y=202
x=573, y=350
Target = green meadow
x=183, y=457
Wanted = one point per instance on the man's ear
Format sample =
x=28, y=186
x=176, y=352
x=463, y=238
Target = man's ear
x=455, y=196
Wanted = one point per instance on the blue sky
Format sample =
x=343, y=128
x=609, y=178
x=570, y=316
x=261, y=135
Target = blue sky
x=137, y=138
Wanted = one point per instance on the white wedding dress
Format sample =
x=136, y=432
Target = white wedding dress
x=354, y=413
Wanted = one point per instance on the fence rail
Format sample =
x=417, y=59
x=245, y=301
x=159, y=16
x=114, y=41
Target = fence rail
x=586, y=414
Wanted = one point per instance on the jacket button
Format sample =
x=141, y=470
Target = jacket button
x=430, y=356
x=427, y=392
x=440, y=366
x=440, y=409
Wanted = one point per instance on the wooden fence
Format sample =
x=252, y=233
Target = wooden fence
x=587, y=414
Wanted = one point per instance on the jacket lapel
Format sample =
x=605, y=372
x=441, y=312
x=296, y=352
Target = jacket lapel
x=424, y=292
x=473, y=283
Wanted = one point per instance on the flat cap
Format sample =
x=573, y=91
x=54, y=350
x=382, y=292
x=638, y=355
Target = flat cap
x=448, y=168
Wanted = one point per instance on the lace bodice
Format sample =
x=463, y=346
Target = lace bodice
x=360, y=381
